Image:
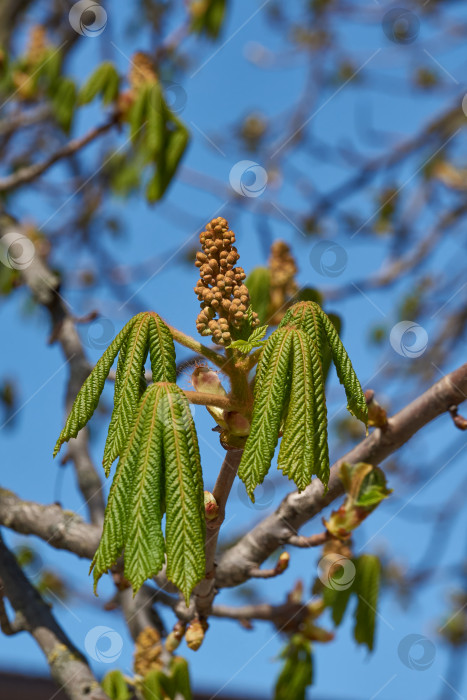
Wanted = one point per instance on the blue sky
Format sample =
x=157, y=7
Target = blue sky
x=227, y=87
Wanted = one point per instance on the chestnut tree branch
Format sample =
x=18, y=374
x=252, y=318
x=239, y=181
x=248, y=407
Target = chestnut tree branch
x=68, y=667
x=298, y=508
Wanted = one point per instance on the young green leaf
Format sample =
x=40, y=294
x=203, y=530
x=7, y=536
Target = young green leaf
x=114, y=685
x=184, y=492
x=368, y=571
x=356, y=403
x=127, y=389
x=304, y=446
x=254, y=341
x=88, y=397
x=104, y=82
x=271, y=389
x=181, y=676
x=297, y=672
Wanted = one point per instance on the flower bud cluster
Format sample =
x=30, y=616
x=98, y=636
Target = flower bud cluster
x=223, y=296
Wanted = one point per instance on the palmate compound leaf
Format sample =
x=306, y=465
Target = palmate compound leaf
x=160, y=462
x=144, y=333
x=311, y=318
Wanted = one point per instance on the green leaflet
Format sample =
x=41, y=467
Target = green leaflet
x=271, y=390
x=356, y=403
x=259, y=284
x=367, y=588
x=161, y=351
x=311, y=318
x=104, y=81
x=114, y=685
x=304, y=446
x=127, y=389
x=160, y=462
x=88, y=397
x=297, y=672
x=184, y=494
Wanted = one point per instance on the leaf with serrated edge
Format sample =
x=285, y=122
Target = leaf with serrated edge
x=161, y=351
x=127, y=390
x=88, y=397
x=144, y=546
x=356, y=403
x=271, y=389
x=303, y=451
x=117, y=512
x=367, y=577
x=185, y=522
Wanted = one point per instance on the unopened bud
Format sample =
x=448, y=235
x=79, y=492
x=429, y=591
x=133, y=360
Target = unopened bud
x=282, y=562
x=211, y=509
x=194, y=634
x=174, y=637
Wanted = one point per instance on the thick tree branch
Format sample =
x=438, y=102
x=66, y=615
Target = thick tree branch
x=297, y=508
x=60, y=528
x=67, y=666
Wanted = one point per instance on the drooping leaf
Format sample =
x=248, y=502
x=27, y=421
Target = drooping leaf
x=63, y=103
x=127, y=389
x=207, y=18
x=114, y=685
x=161, y=351
x=117, y=513
x=368, y=571
x=297, y=672
x=304, y=447
x=337, y=599
x=104, y=82
x=184, y=492
x=181, y=676
x=356, y=403
x=271, y=388
x=144, y=545
x=88, y=397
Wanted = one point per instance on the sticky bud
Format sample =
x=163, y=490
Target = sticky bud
x=211, y=509
x=236, y=423
x=194, y=634
x=174, y=637
x=206, y=381
x=377, y=416
x=282, y=562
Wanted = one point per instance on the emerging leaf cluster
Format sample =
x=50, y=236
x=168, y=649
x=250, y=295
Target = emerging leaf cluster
x=290, y=400
x=152, y=431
